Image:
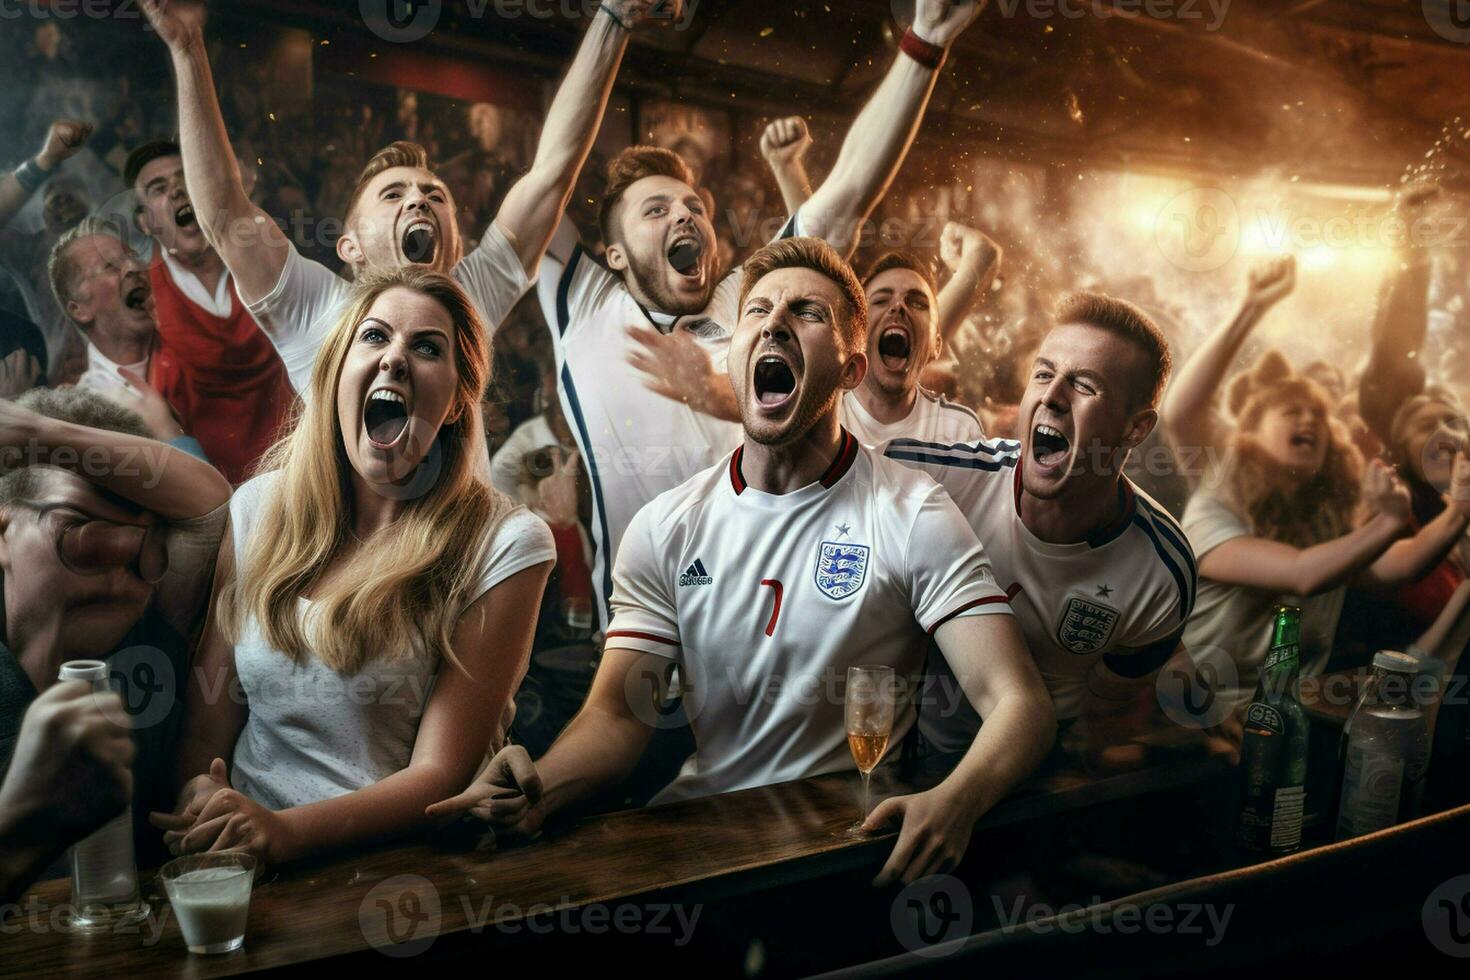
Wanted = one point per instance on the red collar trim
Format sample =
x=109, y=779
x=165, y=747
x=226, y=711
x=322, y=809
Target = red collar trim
x=736, y=480
x=846, y=455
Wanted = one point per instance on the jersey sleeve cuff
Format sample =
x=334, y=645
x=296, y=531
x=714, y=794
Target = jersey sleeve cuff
x=984, y=605
x=264, y=306
x=652, y=640
x=497, y=248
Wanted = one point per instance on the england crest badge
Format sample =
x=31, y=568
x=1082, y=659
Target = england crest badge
x=1085, y=625
x=841, y=568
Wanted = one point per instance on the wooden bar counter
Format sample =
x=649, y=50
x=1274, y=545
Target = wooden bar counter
x=366, y=909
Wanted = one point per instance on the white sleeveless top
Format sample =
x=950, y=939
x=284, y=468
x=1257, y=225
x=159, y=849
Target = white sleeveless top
x=313, y=733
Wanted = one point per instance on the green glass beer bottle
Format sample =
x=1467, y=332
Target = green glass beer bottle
x=1273, y=753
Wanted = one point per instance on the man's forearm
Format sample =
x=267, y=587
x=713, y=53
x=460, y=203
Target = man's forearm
x=598, y=750
x=871, y=154
x=156, y=477
x=794, y=184
x=1014, y=740
x=210, y=169
x=13, y=197
x=535, y=204
x=964, y=289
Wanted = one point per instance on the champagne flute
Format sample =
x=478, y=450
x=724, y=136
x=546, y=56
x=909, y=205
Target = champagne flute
x=868, y=708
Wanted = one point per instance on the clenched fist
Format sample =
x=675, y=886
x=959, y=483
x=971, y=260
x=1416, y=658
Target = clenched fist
x=785, y=141
x=63, y=139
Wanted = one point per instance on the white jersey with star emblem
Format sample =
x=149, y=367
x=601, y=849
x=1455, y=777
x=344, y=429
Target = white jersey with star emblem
x=635, y=444
x=764, y=601
x=933, y=418
x=1122, y=597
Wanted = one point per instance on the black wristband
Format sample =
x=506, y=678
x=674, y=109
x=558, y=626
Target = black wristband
x=30, y=176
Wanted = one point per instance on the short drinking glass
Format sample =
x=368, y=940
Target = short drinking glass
x=210, y=894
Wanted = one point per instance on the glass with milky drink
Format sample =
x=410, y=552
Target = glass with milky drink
x=868, y=706
x=210, y=894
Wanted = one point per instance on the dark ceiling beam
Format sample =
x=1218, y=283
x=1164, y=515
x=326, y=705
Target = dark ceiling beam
x=651, y=72
x=1399, y=22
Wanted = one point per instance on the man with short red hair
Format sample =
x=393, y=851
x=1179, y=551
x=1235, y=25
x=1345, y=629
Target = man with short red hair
x=641, y=335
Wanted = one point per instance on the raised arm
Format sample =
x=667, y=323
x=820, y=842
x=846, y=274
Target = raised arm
x=991, y=663
x=63, y=139
x=1401, y=324
x=535, y=204
x=784, y=145
x=156, y=477
x=973, y=260
x=253, y=248
x=1188, y=410
x=883, y=131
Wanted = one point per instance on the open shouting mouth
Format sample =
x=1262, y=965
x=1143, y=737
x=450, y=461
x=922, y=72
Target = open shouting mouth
x=895, y=346
x=385, y=417
x=184, y=216
x=1049, y=445
x=1306, y=439
x=685, y=255
x=420, y=242
x=773, y=381
x=138, y=294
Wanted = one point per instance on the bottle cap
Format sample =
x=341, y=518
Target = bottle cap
x=83, y=670
x=1399, y=663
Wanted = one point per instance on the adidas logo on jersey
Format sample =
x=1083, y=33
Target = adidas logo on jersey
x=696, y=575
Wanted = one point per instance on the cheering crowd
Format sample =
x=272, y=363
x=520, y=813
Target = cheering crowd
x=284, y=485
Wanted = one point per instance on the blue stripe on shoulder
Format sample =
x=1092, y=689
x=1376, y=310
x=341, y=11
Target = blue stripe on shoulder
x=1186, y=598
x=969, y=463
x=1173, y=532
x=987, y=447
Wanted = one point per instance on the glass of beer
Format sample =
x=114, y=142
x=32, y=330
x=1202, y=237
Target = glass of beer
x=868, y=706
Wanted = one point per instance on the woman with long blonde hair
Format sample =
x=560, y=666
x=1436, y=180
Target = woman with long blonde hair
x=1288, y=512
x=375, y=597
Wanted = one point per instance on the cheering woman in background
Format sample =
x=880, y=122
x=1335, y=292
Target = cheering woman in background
x=375, y=597
x=1279, y=517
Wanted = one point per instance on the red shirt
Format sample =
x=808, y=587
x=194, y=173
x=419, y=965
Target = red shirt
x=223, y=376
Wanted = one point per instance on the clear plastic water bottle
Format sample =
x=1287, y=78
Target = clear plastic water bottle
x=1387, y=750
x=104, y=874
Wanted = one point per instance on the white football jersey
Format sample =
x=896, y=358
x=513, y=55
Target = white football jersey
x=298, y=314
x=764, y=600
x=635, y=444
x=1121, y=597
x=933, y=419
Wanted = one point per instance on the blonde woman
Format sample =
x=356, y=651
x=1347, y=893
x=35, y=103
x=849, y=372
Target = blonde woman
x=375, y=598
x=1289, y=513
